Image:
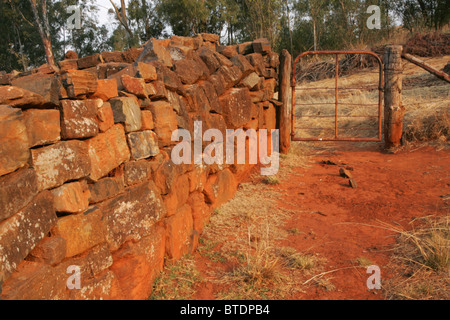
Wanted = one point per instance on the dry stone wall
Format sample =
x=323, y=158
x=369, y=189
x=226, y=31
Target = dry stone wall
x=86, y=177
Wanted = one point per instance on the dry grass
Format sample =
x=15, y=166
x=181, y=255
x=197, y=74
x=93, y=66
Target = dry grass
x=363, y=262
x=248, y=227
x=296, y=260
x=426, y=99
x=422, y=261
x=271, y=180
x=177, y=281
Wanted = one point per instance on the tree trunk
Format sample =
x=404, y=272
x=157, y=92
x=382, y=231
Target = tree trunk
x=393, y=107
x=285, y=96
x=44, y=32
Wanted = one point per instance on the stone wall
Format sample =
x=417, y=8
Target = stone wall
x=86, y=177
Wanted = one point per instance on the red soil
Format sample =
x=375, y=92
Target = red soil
x=339, y=222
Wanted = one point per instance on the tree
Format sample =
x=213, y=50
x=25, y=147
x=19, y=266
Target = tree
x=417, y=13
x=190, y=17
x=43, y=26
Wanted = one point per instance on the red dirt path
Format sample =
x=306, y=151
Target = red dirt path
x=392, y=188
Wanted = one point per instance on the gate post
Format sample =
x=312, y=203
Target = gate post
x=393, y=108
x=285, y=96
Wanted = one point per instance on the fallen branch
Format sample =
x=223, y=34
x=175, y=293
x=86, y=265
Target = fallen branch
x=426, y=66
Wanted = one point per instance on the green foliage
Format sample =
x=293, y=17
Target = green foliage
x=190, y=17
x=296, y=25
x=419, y=13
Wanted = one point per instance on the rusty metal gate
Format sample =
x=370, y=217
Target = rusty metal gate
x=335, y=133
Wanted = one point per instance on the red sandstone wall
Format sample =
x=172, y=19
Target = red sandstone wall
x=85, y=172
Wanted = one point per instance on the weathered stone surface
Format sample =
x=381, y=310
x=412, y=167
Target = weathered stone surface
x=219, y=83
x=220, y=188
x=71, y=55
x=200, y=210
x=104, y=286
x=272, y=60
x=91, y=262
x=136, y=265
x=257, y=61
x=46, y=85
x=196, y=98
x=216, y=121
x=188, y=71
x=14, y=142
x=78, y=119
x=132, y=54
x=138, y=171
x=165, y=121
x=179, y=52
x=16, y=191
x=90, y=61
x=140, y=70
x=18, y=97
x=270, y=86
x=60, y=162
x=236, y=107
x=78, y=83
x=131, y=215
x=179, y=233
x=193, y=43
x=135, y=86
x=147, y=120
x=197, y=178
x=212, y=96
x=157, y=90
x=262, y=46
x=81, y=231
x=106, y=188
x=211, y=37
x=145, y=71
x=143, y=144
x=71, y=197
x=36, y=281
x=210, y=45
x=168, y=77
x=166, y=175
x=43, y=126
x=68, y=64
x=115, y=56
x=231, y=75
x=270, y=118
x=21, y=232
x=105, y=117
x=228, y=51
x=210, y=60
x=51, y=251
x=245, y=48
x=106, y=70
x=106, y=89
x=258, y=96
x=250, y=81
x=243, y=64
x=271, y=73
x=178, y=195
x=156, y=50
x=107, y=151
x=127, y=111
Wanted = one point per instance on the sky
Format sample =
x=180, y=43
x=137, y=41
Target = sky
x=104, y=5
